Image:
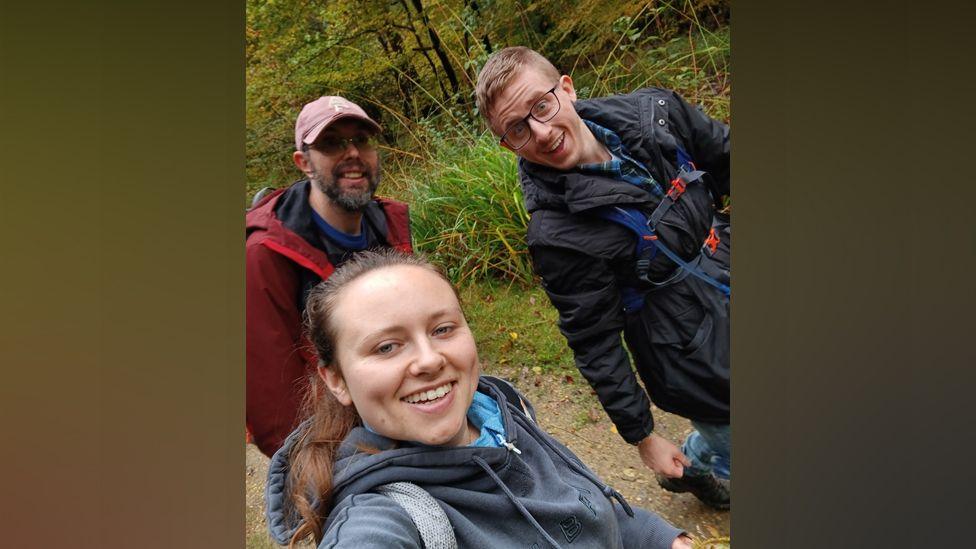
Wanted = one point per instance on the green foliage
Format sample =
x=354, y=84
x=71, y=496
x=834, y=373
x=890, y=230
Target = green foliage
x=467, y=210
x=516, y=328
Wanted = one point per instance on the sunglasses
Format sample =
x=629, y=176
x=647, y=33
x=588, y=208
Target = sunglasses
x=336, y=145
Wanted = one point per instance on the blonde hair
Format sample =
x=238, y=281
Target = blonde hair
x=499, y=70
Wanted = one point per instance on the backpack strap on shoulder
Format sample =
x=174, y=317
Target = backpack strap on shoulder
x=687, y=173
x=432, y=523
x=636, y=222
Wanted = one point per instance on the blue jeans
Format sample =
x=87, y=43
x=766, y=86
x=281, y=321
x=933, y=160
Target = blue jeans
x=709, y=448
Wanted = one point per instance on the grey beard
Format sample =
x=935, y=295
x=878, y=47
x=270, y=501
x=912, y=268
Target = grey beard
x=351, y=202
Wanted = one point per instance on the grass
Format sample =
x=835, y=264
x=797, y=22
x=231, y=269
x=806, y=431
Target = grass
x=515, y=328
x=467, y=211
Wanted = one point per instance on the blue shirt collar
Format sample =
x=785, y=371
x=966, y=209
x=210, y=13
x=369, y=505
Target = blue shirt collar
x=344, y=240
x=485, y=415
x=622, y=166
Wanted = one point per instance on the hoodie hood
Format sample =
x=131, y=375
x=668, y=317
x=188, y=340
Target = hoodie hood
x=358, y=472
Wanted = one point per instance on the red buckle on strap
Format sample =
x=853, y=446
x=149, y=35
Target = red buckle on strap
x=712, y=240
x=677, y=188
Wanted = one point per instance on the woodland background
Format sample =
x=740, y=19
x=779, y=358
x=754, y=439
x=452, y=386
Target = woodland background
x=412, y=64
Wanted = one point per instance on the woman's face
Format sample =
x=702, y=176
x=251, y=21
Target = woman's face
x=406, y=357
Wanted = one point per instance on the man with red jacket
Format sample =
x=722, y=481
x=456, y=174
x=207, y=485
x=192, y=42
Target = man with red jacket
x=296, y=237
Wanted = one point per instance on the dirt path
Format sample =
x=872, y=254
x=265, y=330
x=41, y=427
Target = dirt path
x=570, y=412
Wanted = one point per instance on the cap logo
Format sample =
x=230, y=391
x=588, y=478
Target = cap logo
x=338, y=104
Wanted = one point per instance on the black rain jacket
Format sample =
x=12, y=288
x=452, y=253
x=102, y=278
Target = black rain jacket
x=680, y=338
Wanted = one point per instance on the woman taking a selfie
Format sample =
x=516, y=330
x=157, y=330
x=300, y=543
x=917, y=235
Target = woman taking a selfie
x=406, y=445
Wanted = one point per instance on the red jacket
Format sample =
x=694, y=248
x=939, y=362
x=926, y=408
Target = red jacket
x=279, y=357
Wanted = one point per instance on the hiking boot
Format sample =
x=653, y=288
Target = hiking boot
x=711, y=490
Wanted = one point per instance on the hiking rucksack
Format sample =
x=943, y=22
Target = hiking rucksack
x=648, y=243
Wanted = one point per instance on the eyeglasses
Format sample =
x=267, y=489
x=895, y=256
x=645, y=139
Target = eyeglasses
x=336, y=145
x=518, y=134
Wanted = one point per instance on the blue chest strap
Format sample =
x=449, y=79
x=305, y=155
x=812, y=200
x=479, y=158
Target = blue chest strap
x=648, y=243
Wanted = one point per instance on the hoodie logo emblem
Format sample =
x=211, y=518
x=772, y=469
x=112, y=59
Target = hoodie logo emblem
x=571, y=528
x=586, y=501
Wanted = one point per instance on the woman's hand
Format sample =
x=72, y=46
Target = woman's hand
x=682, y=542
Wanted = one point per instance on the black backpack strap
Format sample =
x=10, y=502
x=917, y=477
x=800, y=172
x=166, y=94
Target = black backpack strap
x=687, y=173
x=511, y=394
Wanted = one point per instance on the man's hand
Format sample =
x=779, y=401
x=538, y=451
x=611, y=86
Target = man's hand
x=661, y=456
x=682, y=542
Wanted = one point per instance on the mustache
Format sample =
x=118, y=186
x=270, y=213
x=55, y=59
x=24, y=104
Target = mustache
x=351, y=165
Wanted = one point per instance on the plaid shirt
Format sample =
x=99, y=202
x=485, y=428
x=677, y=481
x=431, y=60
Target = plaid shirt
x=626, y=168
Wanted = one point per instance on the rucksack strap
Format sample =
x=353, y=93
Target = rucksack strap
x=687, y=173
x=648, y=244
x=432, y=523
x=693, y=269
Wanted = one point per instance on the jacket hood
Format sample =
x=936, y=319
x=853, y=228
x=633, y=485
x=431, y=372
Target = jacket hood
x=359, y=472
x=283, y=221
x=288, y=234
x=261, y=215
x=285, y=210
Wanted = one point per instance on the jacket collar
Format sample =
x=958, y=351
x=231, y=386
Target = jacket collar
x=285, y=218
x=545, y=188
x=281, y=234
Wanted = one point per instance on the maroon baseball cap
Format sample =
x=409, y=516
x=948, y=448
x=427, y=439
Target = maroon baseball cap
x=319, y=114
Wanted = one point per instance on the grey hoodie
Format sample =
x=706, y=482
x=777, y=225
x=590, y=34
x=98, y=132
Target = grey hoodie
x=494, y=497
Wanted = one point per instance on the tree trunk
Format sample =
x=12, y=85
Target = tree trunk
x=435, y=42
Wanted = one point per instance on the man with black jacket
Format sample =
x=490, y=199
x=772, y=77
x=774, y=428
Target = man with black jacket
x=579, y=159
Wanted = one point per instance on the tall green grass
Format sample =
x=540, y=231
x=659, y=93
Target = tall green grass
x=467, y=211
